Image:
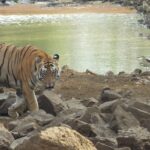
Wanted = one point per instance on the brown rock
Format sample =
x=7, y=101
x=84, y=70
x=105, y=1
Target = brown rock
x=56, y=138
x=6, y=138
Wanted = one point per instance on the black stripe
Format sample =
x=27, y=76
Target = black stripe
x=34, y=50
x=26, y=52
x=4, y=58
x=17, y=57
x=33, y=83
x=7, y=81
x=9, y=59
x=14, y=77
x=22, y=50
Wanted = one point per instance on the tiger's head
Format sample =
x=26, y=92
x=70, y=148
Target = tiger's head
x=46, y=71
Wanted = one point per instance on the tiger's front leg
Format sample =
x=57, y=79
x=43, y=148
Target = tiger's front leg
x=31, y=99
x=16, y=107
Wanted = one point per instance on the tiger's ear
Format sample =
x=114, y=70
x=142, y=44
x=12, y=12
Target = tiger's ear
x=56, y=56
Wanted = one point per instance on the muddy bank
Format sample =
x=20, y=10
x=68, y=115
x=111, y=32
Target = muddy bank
x=110, y=110
x=78, y=8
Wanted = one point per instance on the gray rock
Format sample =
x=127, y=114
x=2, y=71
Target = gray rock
x=108, y=107
x=136, y=138
x=18, y=142
x=82, y=127
x=109, y=95
x=138, y=113
x=105, y=141
x=137, y=71
x=123, y=120
x=22, y=127
x=123, y=148
x=51, y=102
x=90, y=102
x=74, y=103
x=101, y=146
x=66, y=116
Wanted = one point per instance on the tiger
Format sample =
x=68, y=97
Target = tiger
x=25, y=69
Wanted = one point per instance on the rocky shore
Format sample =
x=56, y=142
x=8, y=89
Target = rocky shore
x=85, y=111
x=142, y=6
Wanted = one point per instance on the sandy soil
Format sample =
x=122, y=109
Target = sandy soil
x=86, y=85
x=34, y=9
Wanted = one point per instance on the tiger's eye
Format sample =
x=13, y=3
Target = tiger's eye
x=51, y=65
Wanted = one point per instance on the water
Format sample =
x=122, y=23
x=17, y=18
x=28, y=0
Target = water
x=98, y=42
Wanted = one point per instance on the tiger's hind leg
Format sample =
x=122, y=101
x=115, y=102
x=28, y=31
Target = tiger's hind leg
x=15, y=109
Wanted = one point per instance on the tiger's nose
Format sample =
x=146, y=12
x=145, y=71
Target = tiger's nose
x=58, y=76
x=50, y=86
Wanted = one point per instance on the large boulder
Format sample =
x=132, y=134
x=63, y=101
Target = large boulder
x=56, y=138
x=51, y=102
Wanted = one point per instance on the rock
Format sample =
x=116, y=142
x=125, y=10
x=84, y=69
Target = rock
x=18, y=142
x=141, y=106
x=101, y=146
x=22, y=131
x=102, y=143
x=107, y=117
x=56, y=138
x=92, y=116
x=109, y=74
x=6, y=104
x=51, y=102
x=74, y=103
x=136, y=138
x=123, y=148
x=138, y=113
x=142, y=113
x=41, y=117
x=109, y=95
x=90, y=102
x=82, y=127
x=122, y=74
x=145, y=73
x=108, y=107
x=22, y=127
x=6, y=138
x=9, y=98
x=66, y=116
x=137, y=71
x=123, y=120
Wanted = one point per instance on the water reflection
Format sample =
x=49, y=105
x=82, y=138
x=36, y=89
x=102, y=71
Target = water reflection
x=99, y=42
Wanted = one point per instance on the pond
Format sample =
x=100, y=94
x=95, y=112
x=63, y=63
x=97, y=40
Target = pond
x=98, y=42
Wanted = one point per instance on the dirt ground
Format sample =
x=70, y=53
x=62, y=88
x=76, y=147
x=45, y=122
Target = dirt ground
x=86, y=85
x=35, y=9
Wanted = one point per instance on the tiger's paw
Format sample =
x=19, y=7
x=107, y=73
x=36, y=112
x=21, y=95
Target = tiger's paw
x=12, y=113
